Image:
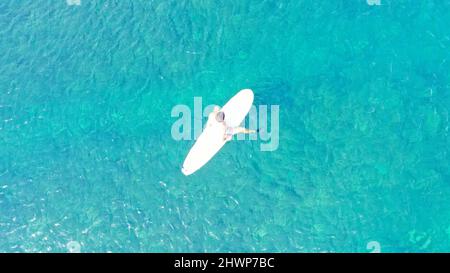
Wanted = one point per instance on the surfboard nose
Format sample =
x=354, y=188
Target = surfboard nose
x=184, y=171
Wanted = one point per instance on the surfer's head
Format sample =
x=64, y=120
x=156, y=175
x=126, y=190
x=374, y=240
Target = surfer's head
x=220, y=117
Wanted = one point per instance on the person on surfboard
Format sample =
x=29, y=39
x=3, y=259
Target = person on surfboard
x=219, y=117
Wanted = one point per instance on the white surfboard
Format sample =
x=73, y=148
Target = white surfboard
x=211, y=140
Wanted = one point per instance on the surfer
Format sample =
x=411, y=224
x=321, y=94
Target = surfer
x=219, y=117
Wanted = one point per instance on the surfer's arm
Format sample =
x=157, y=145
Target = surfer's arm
x=242, y=130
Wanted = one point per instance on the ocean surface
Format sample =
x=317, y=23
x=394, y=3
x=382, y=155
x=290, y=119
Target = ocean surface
x=88, y=162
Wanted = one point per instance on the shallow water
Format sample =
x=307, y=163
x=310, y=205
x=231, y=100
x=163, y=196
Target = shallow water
x=87, y=161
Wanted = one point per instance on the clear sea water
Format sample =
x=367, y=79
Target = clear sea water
x=87, y=161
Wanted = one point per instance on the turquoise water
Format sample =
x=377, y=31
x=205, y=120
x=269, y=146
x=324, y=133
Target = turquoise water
x=87, y=159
